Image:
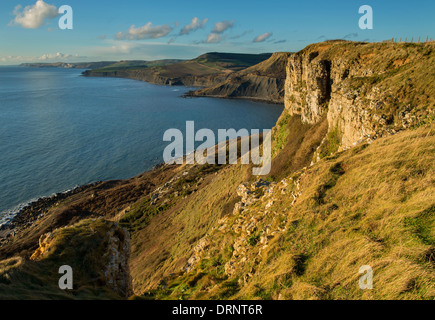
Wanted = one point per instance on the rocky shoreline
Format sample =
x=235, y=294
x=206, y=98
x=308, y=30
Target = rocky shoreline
x=35, y=210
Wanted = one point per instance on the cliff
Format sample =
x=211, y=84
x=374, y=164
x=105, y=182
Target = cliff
x=365, y=90
x=264, y=81
x=351, y=184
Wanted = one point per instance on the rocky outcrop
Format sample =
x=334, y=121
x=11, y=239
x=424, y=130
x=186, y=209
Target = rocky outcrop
x=256, y=208
x=264, y=81
x=103, y=244
x=361, y=87
x=308, y=86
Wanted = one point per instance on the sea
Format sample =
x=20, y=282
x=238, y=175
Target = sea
x=60, y=130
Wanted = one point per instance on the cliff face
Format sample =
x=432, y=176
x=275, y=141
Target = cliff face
x=365, y=89
x=264, y=81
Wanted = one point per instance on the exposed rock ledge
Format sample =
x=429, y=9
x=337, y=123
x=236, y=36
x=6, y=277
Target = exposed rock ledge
x=102, y=244
x=366, y=89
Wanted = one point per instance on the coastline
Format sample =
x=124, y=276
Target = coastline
x=189, y=93
x=28, y=213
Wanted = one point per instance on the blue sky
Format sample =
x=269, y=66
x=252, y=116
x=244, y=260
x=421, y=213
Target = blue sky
x=149, y=30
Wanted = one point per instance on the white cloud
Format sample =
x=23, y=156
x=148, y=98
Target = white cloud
x=147, y=31
x=263, y=37
x=216, y=34
x=11, y=59
x=117, y=47
x=33, y=17
x=47, y=57
x=194, y=25
x=58, y=55
x=222, y=26
x=213, y=38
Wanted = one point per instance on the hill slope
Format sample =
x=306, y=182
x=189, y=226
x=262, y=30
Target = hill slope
x=264, y=81
x=335, y=199
x=205, y=70
x=96, y=250
x=307, y=235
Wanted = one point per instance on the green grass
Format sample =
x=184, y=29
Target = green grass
x=331, y=144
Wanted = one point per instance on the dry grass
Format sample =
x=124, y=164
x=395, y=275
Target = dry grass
x=82, y=246
x=164, y=246
x=378, y=212
x=371, y=205
x=357, y=208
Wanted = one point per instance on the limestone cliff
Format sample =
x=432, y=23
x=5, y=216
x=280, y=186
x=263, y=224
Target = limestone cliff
x=365, y=89
x=264, y=81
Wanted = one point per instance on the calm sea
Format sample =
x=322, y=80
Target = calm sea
x=59, y=130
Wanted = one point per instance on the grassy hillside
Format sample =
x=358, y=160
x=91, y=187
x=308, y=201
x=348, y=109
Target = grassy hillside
x=303, y=231
x=231, y=61
x=86, y=247
x=135, y=64
x=305, y=236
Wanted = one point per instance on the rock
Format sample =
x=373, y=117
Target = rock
x=319, y=83
x=112, y=246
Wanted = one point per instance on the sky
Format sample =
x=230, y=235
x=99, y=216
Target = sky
x=165, y=29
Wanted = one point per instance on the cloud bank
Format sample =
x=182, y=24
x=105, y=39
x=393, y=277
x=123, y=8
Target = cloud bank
x=58, y=55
